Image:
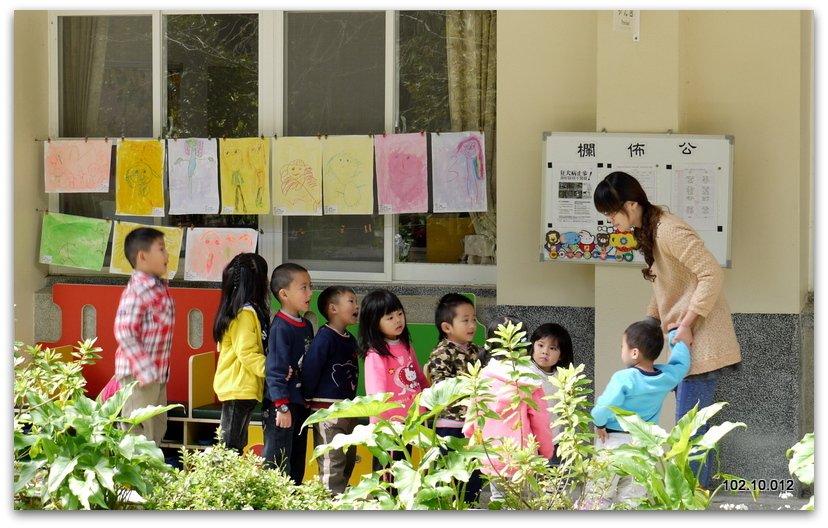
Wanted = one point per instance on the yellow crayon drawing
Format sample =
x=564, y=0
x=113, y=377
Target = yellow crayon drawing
x=173, y=238
x=348, y=175
x=245, y=186
x=139, y=178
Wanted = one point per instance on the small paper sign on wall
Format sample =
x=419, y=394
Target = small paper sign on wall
x=628, y=21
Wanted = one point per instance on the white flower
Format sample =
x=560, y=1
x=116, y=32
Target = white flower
x=785, y=495
x=727, y=506
x=741, y=507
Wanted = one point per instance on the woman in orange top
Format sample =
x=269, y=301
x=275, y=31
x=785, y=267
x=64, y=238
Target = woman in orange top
x=687, y=288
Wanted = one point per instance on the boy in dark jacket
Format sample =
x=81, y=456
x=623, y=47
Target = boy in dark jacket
x=329, y=374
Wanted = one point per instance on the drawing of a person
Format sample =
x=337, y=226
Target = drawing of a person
x=194, y=150
x=469, y=156
x=138, y=177
x=299, y=185
x=234, y=158
x=258, y=163
x=345, y=170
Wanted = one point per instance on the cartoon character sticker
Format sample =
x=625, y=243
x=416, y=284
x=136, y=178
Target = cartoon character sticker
x=552, y=244
x=624, y=244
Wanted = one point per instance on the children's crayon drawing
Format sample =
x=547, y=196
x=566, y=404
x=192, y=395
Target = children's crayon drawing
x=77, y=165
x=139, y=178
x=348, y=175
x=297, y=176
x=173, y=237
x=74, y=241
x=210, y=249
x=459, y=172
x=193, y=175
x=402, y=173
x=245, y=184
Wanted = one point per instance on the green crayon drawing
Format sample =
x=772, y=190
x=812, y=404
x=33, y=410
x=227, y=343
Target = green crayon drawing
x=74, y=241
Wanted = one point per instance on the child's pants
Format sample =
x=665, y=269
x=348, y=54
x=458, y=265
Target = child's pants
x=618, y=489
x=286, y=447
x=143, y=396
x=335, y=466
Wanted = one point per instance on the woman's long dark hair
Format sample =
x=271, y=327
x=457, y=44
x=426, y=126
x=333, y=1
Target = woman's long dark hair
x=610, y=196
x=561, y=335
x=374, y=307
x=243, y=281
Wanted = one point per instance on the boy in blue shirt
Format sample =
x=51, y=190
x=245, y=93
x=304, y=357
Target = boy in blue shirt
x=283, y=406
x=639, y=388
x=329, y=374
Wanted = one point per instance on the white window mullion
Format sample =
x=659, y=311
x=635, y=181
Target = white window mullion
x=390, y=224
x=270, y=108
x=158, y=75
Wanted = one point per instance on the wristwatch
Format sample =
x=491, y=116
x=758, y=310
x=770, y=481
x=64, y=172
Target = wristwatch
x=283, y=408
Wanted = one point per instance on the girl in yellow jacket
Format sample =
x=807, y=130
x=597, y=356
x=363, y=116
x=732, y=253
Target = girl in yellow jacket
x=240, y=331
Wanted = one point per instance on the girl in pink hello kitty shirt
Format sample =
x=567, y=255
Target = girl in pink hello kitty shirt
x=390, y=362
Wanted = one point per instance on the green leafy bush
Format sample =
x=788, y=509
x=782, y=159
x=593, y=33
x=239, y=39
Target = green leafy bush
x=219, y=479
x=68, y=450
x=801, y=463
x=660, y=461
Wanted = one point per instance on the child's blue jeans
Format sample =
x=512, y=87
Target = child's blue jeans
x=702, y=392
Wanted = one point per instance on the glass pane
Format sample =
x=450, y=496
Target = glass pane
x=105, y=87
x=105, y=76
x=212, y=87
x=212, y=75
x=335, y=75
x=424, y=106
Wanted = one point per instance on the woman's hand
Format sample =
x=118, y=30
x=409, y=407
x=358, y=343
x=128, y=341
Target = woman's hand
x=683, y=334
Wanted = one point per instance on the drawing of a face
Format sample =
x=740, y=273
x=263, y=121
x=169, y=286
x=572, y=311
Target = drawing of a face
x=552, y=237
x=232, y=154
x=602, y=239
x=344, y=166
x=469, y=148
x=406, y=168
x=138, y=177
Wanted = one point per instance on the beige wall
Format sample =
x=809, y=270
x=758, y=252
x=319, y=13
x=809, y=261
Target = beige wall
x=745, y=73
x=30, y=123
x=545, y=81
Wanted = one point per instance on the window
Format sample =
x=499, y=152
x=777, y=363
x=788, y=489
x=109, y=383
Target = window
x=105, y=87
x=299, y=74
x=212, y=87
x=335, y=85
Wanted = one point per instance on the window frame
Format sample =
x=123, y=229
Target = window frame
x=271, y=122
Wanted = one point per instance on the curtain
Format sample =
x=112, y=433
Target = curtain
x=84, y=53
x=83, y=48
x=471, y=47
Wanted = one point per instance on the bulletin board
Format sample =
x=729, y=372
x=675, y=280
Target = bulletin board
x=689, y=174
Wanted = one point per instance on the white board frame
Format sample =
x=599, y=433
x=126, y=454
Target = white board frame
x=665, y=164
